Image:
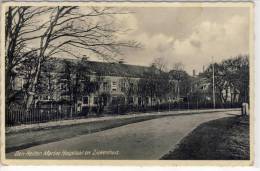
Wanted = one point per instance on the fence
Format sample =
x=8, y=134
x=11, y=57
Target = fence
x=19, y=115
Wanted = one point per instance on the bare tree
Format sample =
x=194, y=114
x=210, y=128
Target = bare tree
x=66, y=28
x=19, y=24
x=154, y=84
x=129, y=87
x=160, y=63
x=237, y=76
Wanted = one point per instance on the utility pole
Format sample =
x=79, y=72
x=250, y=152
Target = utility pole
x=213, y=83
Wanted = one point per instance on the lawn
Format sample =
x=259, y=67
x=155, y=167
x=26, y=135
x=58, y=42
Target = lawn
x=221, y=139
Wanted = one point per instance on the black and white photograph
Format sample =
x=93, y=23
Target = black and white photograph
x=163, y=82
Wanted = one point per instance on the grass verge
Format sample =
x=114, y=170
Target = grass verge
x=221, y=139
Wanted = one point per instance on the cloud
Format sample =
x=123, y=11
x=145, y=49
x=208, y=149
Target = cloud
x=191, y=36
x=194, y=43
x=155, y=46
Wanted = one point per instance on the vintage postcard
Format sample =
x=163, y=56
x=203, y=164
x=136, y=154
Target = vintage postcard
x=123, y=83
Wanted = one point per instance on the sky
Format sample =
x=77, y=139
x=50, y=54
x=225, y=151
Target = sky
x=192, y=36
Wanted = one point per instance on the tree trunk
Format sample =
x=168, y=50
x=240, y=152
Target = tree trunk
x=32, y=90
x=29, y=100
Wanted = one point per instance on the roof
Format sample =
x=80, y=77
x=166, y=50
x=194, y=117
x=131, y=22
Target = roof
x=100, y=68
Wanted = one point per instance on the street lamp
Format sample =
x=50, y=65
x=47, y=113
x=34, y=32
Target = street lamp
x=213, y=83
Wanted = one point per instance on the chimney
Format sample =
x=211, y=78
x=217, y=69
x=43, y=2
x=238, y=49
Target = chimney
x=194, y=73
x=85, y=57
x=121, y=61
x=203, y=68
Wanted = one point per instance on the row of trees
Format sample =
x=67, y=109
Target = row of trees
x=231, y=79
x=33, y=35
x=159, y=83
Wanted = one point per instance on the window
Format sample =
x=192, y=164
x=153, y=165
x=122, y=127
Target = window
x=105, y=86
x=114, y=86
x=85, y=100
x=123, y=86
x=147, y=100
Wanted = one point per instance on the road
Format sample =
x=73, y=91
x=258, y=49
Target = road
x=143, y=140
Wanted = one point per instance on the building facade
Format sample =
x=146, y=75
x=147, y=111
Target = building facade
x=90, y=84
